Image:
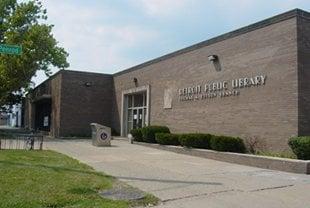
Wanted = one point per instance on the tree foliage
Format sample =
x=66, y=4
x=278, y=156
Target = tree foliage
x=25, y=24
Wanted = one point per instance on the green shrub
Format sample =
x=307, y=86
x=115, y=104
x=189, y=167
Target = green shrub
x=195, y=140
x=167, y=139
x=227, y=144
x=301, y=147
x=137, y=134
x=148, y=132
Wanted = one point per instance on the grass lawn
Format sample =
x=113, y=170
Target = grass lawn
x=50, y=179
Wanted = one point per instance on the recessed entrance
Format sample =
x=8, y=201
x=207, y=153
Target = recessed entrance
x=135, y=109
x=43, y=109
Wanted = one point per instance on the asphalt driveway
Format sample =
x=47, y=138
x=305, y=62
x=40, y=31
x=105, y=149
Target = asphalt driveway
x=187, y=181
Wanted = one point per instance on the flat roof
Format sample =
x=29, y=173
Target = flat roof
x=69, y=71
x=261, y=24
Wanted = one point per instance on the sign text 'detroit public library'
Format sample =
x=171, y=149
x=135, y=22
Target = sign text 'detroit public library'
x=220, y=89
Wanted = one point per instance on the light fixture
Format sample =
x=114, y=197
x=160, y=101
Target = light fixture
x=213, y=58
x=88, y=84
x=135, y=80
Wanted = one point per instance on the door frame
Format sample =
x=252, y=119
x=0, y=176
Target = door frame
x=135, y=90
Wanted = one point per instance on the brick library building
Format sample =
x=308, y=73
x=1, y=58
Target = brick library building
x=251, y=82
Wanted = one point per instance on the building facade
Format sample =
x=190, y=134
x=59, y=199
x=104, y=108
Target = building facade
x=252, y=82
x=66, y=103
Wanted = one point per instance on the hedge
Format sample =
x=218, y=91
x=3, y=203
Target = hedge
x=161, y=135
x=196, y=140
x=148, y=132
x=167, y=139
x=227, y=144
x=137, y=134
x=301, y=147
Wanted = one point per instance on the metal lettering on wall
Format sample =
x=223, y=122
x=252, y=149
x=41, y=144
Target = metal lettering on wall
x=220, y=89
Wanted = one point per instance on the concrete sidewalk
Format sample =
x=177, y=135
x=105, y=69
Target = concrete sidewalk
x=186, y=181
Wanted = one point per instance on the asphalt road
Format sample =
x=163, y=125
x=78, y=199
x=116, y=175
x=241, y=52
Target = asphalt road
x=185, y=181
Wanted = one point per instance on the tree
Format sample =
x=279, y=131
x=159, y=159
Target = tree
x=24, y=24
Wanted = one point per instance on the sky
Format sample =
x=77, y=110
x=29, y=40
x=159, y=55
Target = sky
x=108, y=36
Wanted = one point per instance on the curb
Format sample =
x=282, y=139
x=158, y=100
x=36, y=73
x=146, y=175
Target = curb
x=272, y=163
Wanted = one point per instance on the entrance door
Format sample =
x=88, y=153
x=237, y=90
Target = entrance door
x=43, y=109
x=136, y=111
x=138, y=118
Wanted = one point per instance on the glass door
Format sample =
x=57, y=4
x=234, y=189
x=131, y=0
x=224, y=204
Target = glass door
x=135, y=119
x=140, y=118
x=136, y=111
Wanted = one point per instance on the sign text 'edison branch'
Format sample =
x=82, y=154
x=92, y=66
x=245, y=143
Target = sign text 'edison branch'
x=220, y=88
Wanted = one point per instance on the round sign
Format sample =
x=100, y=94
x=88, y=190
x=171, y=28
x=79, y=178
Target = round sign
x=103, y=136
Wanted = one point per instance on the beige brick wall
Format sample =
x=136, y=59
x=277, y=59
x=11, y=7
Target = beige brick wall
x=269, y=112
x=74, y=106
x=49, y=87
x=304, y=75
x=56, y=84
x=81, y=105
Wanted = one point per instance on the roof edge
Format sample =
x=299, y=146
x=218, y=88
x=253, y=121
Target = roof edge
x=68, y=71
x=84, y=72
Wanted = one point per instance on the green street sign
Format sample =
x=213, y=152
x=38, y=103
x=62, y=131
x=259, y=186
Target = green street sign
x=10, y=49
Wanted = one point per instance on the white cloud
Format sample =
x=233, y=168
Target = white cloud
x=93, y=42
x=162, y=7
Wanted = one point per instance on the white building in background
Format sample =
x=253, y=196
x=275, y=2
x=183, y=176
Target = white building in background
x=15, y=117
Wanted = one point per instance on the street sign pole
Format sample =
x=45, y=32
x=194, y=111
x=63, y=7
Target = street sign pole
x=10, y=49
